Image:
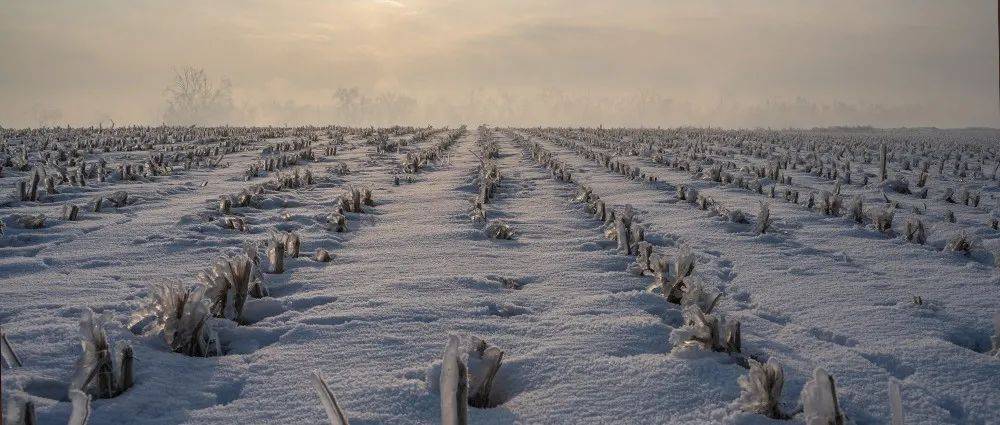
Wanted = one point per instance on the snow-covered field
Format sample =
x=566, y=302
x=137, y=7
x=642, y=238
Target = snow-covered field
x=588, y=333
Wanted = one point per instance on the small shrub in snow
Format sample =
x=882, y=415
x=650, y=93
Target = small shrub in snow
x=709, y=332
x=336, y=222
x=483, y=364
x=960, y=243
x=292, y=244
x=949, y=195
x=7, y=353
x=949, y=216
x=30, y=221
x=183, y=318
x=322, y=255
x=882, y=219
x=70, y=212
x=696, y=295
x=478, y=212
x=683, y=268
x=764, y=220
x=333, y=410
x=235, y=223
x=276, y=256
x=856, y=211
x=229, y=283
x=830, y=204
x=225, y=205
x=760, y=389
x=915, y=231
x=498, y=229
x=118, y=199
x=819, y=400
x=96, y=374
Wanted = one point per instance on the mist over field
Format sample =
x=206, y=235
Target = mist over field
x=525, y=63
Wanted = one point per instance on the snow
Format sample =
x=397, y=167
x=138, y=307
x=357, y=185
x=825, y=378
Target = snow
x=583, y=340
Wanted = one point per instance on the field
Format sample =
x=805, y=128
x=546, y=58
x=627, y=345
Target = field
x=588, y=275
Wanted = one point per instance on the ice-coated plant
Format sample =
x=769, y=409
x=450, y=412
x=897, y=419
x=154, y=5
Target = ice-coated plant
x=949, y=216
x=7, y=353
x=30, y=221
x=478, y=212
x=276, y=256
x=118, y=199
x=830, y=204
x=322, y=255
x=683, y=268
x=819, y=400
x=707, y=331
x=896, y=403
x=235, y=223
x=454, y=385
x=764, y=220
x=961, y=242
x=292, y=244
x=333, y=410
x=856, y=210
x=882, y=219
x=228, y=284
x=499, y=229
x=760, y=389
x=96, y=373
x=336, y=222
x=915, y=231
x=182, y=316
x=995, y=339
x=70, y=212
x=19, y=413
x=695, y=294
x=80, y=413
x=484, y=362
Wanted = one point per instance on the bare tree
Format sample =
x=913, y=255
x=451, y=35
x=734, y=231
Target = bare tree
x=192, y=98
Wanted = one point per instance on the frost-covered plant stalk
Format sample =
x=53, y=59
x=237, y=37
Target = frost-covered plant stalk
x=321, y=255
x=276, y=256
x=292, y=244
x=7, y=353
x=333, y=410
x=709, y=332
x=760, y=390
x=182, y=316
x=454, y=386
x=499, y=229
x=856, y=211
x=80, y=413
x=95, y=373
x=896, y=403
x=960, y=243
x=995, y=340
x=683, y=267
x=764, y=220
x=819, y=400
x=915, y=231
x=70, y=212
x=228, y=283
x=483, y=364
x=882, y=218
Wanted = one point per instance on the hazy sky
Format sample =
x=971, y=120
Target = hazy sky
x=803, y=62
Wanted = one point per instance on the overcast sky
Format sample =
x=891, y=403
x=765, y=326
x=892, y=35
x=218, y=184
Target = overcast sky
x=887, y=62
